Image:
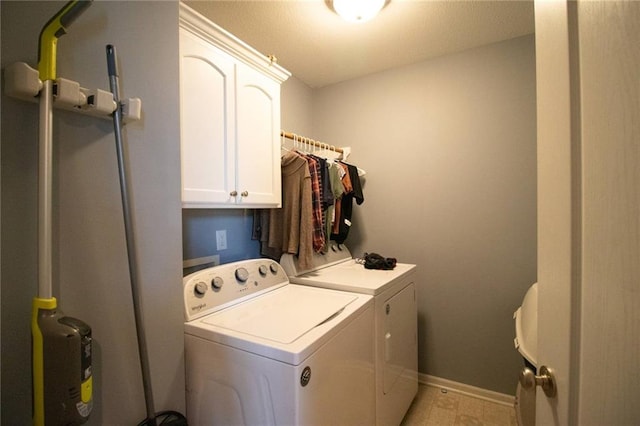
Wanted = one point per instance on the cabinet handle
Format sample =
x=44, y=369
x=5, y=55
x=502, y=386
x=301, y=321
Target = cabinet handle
x=245, y=193
x=233, y=193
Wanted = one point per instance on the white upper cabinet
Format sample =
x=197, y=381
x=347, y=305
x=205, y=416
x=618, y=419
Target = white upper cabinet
x=229, y=119
x=207, y=129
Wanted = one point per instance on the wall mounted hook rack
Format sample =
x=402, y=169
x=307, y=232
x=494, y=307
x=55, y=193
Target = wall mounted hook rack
x=22, y=82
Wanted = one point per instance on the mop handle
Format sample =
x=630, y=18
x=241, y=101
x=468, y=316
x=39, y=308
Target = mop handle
x=112, y=70
x=55, y=28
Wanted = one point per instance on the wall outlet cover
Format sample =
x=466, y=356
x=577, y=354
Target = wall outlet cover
x=221, y=239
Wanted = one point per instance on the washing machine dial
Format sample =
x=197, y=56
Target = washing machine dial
x=217, y=283
x=200, y=289
x=263, y=270
x=242, y=274
x=274, y=268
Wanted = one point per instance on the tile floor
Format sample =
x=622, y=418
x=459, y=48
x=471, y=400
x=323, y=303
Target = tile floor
x=433, y=407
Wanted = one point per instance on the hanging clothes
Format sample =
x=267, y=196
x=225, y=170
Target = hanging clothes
x=317, y=206
x=291, y=226
x=345, y=180
x=327, y=196
x=344, y=210
x=261, y=220
x=318, y=239
x=337, y=189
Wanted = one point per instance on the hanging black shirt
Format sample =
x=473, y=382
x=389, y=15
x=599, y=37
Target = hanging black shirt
x=347, y=205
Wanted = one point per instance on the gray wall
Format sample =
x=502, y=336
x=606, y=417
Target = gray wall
x=297, y=107
x=449, y=147
x=90, y=266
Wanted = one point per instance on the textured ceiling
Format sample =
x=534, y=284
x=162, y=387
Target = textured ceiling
x=320, y=49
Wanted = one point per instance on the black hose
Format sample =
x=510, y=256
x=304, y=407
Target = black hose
x=166, y=418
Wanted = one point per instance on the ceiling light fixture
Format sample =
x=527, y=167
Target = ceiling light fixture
x=358, y=10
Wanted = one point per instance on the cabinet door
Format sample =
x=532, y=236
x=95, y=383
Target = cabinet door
x=258, y=138
x=400, y=340
x=207, y=129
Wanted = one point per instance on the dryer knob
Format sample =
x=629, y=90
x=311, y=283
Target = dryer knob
x=263, y=270
x=242, y=274
x=274, y=268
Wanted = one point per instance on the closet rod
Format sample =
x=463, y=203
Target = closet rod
x=302, y=139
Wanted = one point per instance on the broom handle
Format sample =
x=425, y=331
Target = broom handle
x=129, y=234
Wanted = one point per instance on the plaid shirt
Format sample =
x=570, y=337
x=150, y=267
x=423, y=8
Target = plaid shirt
x=316, y=202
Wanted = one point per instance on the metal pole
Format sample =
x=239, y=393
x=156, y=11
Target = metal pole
x=130, y=237
x=45, y=179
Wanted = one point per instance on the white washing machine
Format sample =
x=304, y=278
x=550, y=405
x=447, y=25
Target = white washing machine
x=262, y=351
x=395, y=321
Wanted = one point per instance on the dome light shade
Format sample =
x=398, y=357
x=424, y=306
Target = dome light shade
x=357, y=10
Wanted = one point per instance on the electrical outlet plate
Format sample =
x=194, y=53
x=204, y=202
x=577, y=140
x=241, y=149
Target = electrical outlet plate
x=221, y=240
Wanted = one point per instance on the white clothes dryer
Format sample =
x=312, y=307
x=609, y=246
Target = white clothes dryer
x=262, y=351
x=395, y=321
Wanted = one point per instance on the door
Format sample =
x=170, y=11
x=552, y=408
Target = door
x=557, y=220
x=207, y=131
x=588, y=94
x=258, y=138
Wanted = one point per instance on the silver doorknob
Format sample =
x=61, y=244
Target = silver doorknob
x=245, y=193
x=233, y=193
x=546, y=380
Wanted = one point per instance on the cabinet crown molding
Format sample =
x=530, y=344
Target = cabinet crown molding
x=221, y=38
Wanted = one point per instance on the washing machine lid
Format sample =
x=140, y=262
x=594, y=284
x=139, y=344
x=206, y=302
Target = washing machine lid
x=353, y=276
x=281, y=316
x=287, y=324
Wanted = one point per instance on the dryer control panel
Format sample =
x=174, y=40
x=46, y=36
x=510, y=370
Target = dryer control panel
x=216, y=288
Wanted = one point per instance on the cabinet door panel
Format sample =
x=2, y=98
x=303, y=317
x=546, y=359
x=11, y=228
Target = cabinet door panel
x=400, y=348
x=258, y=138
x=206, y=121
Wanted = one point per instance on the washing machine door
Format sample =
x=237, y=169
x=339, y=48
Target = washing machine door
x=400, y=339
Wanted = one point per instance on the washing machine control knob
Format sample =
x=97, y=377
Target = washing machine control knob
x=200, y=289
x=217, y=283
x=263, y=270
x=274, y=268
x=242, y=274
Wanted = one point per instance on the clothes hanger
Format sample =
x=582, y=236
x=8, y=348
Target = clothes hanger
x=283, y=141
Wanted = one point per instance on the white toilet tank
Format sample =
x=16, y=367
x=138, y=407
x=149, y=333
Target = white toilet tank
x=526, y=317
x=526, y=342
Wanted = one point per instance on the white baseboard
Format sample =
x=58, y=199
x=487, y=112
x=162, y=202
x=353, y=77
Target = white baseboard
x=450, y=385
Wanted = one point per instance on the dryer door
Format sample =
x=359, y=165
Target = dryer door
x=400, y=338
